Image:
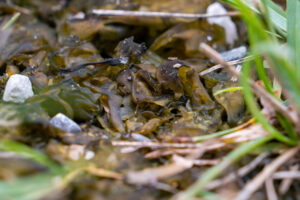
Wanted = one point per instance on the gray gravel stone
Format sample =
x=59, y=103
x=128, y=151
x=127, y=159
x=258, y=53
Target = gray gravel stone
x=234, y=54
x=64, y=123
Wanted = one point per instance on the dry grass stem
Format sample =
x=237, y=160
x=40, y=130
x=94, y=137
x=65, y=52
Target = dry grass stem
x=286, y=183
x=267, y=172
x=240, y=173
x=205, y=162
x=126, y=13
x=18, y=8
x=166, y=152
x=271, y=193
x=167, y=145
x=103, y=173
x=247, y=134
x=213, y=54
x=286, y=174
x=150, y=176
x=218, y=66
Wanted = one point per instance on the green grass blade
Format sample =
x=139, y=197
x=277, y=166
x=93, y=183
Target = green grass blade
x=257, y=34
x=269, y=19
x=11, y=21
x=252, y=105
x=30, y=188
x=213, y=135
x=280, y=58
x=293, y=26
x=288, y=127
x=29, y=153
x=277, y=16
x=230, y=89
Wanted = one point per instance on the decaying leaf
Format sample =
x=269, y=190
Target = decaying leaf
x=130, y=83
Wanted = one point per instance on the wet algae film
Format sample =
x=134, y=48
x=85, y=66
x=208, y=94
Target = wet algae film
x=123, y=80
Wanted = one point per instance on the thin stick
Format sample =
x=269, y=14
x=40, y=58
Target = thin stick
x=166, y=152
x=213, y=54
x=103, y=173
x=260, y=91
x=240, y=173
x=205, y=162
x=286, y=183
x=271, y=193
x=18, y=8
x=104, y=12
x=267, y=172
x=218, y=66
x=286, y=174
x=216, y=170
x=166, y=145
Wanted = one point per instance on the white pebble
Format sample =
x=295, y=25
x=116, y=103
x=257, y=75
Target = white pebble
x=140, y=138
x=225, y=22
x=75, y=152
x=17, y=89
x=234, y=54
x=89, y=155
x=64, y=123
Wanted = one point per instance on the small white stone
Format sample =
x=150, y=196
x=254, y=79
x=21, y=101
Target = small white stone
x=64, y=123
x=89, y=155
x=75, y=152
x=140, y=138
x=18, y=88
x=234, y=54
x=225, y=22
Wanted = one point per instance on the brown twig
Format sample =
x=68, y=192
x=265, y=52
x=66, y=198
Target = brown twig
x=104, y=12
x=258, y=90
x=267, y=172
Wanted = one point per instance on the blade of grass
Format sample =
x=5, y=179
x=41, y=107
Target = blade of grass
x=37, y=186
x=252, y=105
x=288, y=127
x=30, y=188
x=280, y=58
x=269, y=19
x=277, y=15
x=257, y=34
x=249, y=97
x=293, y=27
x=224, y=132
x=230, y=89
x=11, y=21
x=213, y=135
x=29, y=153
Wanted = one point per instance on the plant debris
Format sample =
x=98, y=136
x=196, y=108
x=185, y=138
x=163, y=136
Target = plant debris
x=125, y=100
